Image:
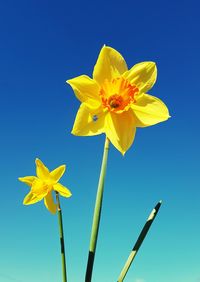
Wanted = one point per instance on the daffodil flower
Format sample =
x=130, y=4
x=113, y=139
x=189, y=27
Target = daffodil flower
x=43, y=185
x=115, y=101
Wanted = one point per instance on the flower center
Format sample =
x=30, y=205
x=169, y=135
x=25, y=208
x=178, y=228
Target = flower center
x=118, y=95
x=40, y=186
x=115, y=101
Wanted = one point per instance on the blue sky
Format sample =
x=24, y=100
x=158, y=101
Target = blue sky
x=44, y=43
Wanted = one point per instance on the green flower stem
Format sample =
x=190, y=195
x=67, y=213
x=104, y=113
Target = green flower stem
x=62, y=244
x=139, y=242
x=97, y=214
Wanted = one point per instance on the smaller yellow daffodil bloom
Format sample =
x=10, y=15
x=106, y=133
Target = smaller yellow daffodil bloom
x=115, y=100
x=43, y=185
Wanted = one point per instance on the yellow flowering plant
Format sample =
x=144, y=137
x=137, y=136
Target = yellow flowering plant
x=115, y=102
x=42, y=187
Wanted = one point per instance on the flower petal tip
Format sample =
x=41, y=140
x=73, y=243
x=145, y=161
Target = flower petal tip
x=25, y=203
x=74, y=132
x=37, y=161
x=53, y=211
x=70, y=81
x=123, y=153
x=63, y=166
x=152, y=64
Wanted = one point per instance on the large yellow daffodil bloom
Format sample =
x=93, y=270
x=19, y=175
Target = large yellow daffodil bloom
x=115, y=101
x=43, y=185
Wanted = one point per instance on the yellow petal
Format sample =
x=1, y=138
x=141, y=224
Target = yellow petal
x=150, y=110
x=110, y=64
x=143, y=75
x=86, y=90
x=62, y=190
x=32, y=198
x=88, y=122
x=57, y=173
x=41, y=170
x=49, y=203
x=120, y=130
x=28, y=179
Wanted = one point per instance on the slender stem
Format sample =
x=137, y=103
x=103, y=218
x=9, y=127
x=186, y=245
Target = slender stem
x=62, y=244
x=97, y=214
x=139, y=242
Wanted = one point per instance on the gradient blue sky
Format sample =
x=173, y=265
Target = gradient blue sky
x=43, y=43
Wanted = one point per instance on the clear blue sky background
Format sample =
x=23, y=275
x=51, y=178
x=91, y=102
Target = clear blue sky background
x=43, y=43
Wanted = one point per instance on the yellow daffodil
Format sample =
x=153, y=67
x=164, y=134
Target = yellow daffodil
x=115, y=101
x=43, y=185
